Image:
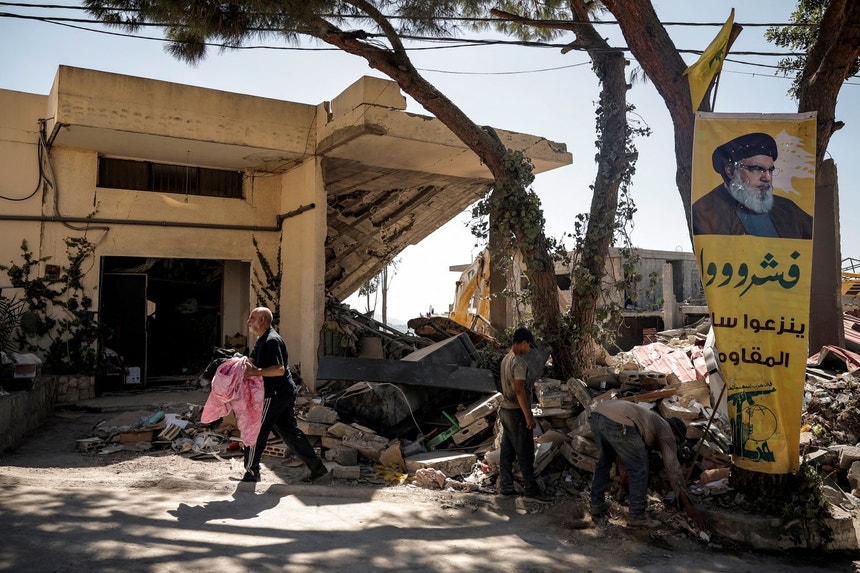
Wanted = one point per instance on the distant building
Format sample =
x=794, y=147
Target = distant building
x=669, y=294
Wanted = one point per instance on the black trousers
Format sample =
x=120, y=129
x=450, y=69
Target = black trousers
x=517, y=443
x=279, y=416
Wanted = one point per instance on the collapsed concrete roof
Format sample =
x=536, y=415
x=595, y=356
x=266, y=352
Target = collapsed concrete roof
x=391, y=177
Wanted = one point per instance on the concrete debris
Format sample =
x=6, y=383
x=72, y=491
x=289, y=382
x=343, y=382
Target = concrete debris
x=478, y=410
x=450, y=463
x=429, y=478
x=445, y=434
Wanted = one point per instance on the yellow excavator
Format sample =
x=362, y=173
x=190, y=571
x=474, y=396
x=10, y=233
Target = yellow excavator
x=850, y=277
x=850, y=284
x=472, y=296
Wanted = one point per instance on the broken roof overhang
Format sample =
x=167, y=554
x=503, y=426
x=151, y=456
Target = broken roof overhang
x=394, y=178
x=391, y=177
x=447, y=364
x=448, y=376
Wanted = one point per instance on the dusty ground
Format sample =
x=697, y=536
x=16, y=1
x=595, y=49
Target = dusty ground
x=162, y=512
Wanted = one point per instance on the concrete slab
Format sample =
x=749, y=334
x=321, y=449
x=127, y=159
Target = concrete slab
x=452, y=464
x=175, y=400
x=770, y=534
x=457, y=350
x=405, y=372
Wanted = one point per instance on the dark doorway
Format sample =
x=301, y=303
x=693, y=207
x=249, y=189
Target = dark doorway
x=180, y=300
x=123, y=319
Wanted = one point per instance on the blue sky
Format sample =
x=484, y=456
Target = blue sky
x=530, y=90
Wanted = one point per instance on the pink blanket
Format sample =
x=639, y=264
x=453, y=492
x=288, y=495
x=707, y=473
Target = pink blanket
x=243, y=396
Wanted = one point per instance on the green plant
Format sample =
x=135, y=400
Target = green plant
x=59, y=321
x=11, y=310
x=797, y=499
x=267, y=285
x=805, y=508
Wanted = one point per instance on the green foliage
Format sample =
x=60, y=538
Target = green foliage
x=617, y=225
x=11, y=310
x=195, y=25
x=800, y=38
x=804, y=508
x=820, y=432
x=380, y=281
x=267, y=283
x=60, y=321
x=557, y=10
x=797, y=499
x=368, y=288
x=512, y=206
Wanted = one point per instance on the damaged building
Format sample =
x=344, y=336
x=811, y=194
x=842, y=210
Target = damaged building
x=196, y=200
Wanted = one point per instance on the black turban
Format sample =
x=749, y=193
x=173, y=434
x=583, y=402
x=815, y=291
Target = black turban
x=742, y=147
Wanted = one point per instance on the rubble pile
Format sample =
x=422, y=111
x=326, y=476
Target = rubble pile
x=426, y=430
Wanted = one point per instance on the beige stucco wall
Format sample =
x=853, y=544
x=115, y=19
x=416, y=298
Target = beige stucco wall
x=277, y=145
x=19, y=128
x=266, y=195
x=303, y=259
x=126, y=112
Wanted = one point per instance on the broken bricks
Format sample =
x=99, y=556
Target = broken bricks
x=449, y=463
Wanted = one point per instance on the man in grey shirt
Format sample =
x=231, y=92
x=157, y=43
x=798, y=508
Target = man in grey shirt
x=627, y=431
x=516, y=418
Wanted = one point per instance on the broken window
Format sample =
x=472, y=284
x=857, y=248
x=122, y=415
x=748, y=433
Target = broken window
x=167, y=178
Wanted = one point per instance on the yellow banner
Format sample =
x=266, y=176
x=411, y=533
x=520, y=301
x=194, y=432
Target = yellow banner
x=753, y=198
x=700, y=74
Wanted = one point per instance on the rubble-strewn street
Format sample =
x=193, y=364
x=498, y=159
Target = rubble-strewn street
x=159, y=511
x=430, y=457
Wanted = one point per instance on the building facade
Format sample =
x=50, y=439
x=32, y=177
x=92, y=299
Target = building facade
x=197, y=202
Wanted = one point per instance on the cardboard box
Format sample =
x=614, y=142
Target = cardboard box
x=134, y=436
x=26, y=365
x=133, y=376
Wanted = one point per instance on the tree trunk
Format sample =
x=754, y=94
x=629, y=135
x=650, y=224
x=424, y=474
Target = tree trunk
x=657, y=55
x=492, y=152
x=500, y=266
x=385, y=295
x=613, y=163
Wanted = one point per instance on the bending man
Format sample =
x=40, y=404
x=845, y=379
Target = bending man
x=627, y=430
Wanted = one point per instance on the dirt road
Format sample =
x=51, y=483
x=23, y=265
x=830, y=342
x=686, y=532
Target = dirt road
x=160, y=512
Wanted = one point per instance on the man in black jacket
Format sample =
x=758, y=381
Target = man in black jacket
x=270, y=360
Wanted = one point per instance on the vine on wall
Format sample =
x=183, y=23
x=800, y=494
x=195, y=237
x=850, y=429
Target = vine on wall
x=59, y=322
x=267, y=282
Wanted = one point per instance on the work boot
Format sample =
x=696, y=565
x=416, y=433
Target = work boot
x=537, y=497
x=599, y=510
x=251, y=476
x=316, y=474
x=642, y=523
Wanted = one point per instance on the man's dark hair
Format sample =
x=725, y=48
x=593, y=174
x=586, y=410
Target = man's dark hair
x=524, y=334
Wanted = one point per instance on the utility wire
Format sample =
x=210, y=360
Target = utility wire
x=432, y=39
x=488, y=20
x=448, y=41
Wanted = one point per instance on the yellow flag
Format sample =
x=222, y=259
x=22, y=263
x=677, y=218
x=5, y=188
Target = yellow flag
x=700, y=74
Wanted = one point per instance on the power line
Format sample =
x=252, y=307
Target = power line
x=448, y=41
x=464, y=41
x=504, y=73
x=488, y=20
